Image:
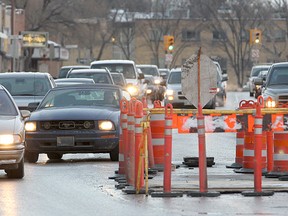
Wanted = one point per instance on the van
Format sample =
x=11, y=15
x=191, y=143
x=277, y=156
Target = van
x=128, y=68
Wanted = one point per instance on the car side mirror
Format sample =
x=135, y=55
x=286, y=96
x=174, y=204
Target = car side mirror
x=25, y=113
x=258, y=81
x=224, y=77
x=33, y=106
x=141, y=76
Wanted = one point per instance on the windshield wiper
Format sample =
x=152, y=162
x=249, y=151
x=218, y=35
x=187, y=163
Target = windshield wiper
x=26, y=94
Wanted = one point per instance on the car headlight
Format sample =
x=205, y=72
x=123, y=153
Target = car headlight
x=8, y=139
x=169, y=92
x=106, y=125
x=30, y=126
x=157, y=81
x=133, y=90
x=148, y=91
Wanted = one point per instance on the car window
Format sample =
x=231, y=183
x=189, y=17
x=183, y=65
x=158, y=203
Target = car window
x=118, y=80
x=7, y=107
x=26, y=86
x=149, y=71
x=174, y=78
x=255, y=71
x=63, y=72
x=126, y=69
x=97, y=77
x=278, y=76
x=81, y=97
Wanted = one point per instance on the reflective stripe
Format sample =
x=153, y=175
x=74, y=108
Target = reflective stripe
x=121, y=157
x=130, y=119
x=124, y=125
x=247, y=152
x=201, y=130
x=280, y=157
x=258, y=121
x=168, y=122
x=200, y=121
x=239, y=141
x=168, y=132
x=138, y=120
x=257, y=131
x=124, y=116
x=157, y=117
x=158, y=142
x=131, y=127
x=138, y=130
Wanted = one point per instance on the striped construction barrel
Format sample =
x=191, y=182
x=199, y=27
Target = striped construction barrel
x=248, y=153
x=280, y=156
x=157, y=125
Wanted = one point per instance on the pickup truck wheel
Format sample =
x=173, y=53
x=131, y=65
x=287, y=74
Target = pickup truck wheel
x=31, y=157
x=114, y=154
x=54, y=156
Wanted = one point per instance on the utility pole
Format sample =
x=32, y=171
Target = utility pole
x=12, y=34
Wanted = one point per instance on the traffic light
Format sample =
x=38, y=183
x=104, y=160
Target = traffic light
x=255, y=36
x=168, y=43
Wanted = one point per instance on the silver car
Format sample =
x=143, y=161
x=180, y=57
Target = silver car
x=174, y=93
x=12, y=136
x=27, y=87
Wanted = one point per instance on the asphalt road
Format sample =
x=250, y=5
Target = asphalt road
x=79, y=185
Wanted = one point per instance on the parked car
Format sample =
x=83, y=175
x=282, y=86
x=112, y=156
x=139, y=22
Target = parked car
x=65, y=69
x=119, y=79
x=27, y=87
x=253, y=74
x=275, y=88
x=12, y=135
x=174, y=93
x=98, y=75
x=129, y=71
x=75, y=119
x=73, y=81
x=156, y=83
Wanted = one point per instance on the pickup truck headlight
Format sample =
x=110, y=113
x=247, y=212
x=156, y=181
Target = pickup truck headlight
x=270, y=103
x=30, y=126
x=9, y=139
x=106, y=125
x=169, y=92
x=157, y=81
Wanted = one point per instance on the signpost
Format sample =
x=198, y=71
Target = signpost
x=190, y=81
x=199, y=84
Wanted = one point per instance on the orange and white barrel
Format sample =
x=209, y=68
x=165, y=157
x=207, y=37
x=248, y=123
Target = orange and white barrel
x=157, y=125
x=249, y=153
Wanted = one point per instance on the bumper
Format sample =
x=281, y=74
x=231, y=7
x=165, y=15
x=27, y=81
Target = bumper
x=69, y=143
x=11, y=156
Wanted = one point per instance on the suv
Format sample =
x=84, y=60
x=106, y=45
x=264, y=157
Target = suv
x=174, y=93
x=27, y=87
x=98, y=75
x=153, y=80
x=129, y=71
x=253, y=74
x=275, y=88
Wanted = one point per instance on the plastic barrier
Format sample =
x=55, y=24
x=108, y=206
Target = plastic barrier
x=239, y=151
x=139, y=148
x=123, y=139
x=249, y=152
x=280, y=162
x=157, y=125
x=130, y=175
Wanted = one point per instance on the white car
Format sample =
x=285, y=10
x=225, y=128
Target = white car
x=129, y=71
x=12, y=135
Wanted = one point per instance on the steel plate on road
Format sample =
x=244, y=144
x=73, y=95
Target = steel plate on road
x=208, y=79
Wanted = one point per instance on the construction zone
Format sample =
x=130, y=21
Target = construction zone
x=253, y=160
